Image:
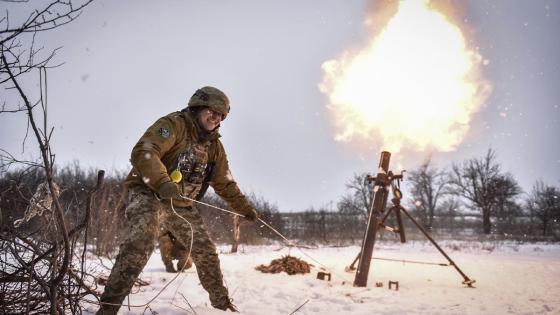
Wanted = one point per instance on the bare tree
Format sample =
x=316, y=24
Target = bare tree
x=449, y=210
x=482, y=183
x=359, y=198
x=19, y=55
x=507, y=210
x=544, y=205
x=428, y=188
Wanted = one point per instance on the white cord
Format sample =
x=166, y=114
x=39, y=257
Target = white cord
x=211, y=206
x=289, y=243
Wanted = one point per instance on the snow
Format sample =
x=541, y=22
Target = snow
x=510, y=279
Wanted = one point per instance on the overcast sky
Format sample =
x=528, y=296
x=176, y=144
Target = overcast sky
x=127, y=63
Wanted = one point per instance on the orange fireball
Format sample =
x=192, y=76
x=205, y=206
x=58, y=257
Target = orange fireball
x=417, y=84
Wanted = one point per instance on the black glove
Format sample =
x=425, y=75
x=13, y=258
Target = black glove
x=169, y=190
x=250, y=215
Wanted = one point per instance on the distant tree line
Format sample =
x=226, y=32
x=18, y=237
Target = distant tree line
x=107, y=217
x=473, y=199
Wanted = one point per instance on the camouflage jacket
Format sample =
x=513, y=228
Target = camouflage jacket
x=173, y=142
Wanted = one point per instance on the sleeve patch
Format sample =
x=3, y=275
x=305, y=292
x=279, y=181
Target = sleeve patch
x=164, y=132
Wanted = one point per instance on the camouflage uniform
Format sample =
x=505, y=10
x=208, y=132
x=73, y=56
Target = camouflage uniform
x=175, y=142
x=171, y=249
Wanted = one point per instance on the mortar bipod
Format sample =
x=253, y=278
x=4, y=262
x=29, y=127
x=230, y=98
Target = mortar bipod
x=397, y=208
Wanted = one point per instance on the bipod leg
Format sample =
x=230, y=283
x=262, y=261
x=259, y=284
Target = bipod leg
x=400, y=227
x=351, y=267
x=385, y=217
x=400, y=224
x=469, y=282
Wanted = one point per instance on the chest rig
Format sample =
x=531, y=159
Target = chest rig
x=192, y=164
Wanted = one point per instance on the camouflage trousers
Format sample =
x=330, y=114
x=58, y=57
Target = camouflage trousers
x=170, y=248
x=145, y=214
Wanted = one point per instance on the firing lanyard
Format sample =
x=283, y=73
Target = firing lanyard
x=288, y=242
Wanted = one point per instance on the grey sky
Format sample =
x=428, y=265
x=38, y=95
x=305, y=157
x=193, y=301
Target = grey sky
x=129, y=62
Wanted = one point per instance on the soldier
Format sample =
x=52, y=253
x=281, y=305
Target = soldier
x=169, y=162
x=170, y=248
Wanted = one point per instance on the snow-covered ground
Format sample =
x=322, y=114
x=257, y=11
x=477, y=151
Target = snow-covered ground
x=510, y=279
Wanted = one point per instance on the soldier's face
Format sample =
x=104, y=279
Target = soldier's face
x=209, y=119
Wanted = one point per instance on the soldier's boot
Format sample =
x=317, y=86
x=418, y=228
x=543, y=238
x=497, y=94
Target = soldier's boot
x=232, y=308
x=169, y=267
x=184, y=264
x=210, y=276
x=227, y=305
x=166, y=251
x=180, y=253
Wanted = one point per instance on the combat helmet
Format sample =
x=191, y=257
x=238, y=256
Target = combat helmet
x=211, y=97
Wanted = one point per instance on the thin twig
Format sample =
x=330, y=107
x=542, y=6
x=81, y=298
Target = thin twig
x=189, y=304
x=297, y=309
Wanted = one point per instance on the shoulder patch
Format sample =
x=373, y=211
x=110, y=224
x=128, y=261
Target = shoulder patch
x=164, y=132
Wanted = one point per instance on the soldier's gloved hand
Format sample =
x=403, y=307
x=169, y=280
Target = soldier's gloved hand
x=250, y=215
x=169, y=190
